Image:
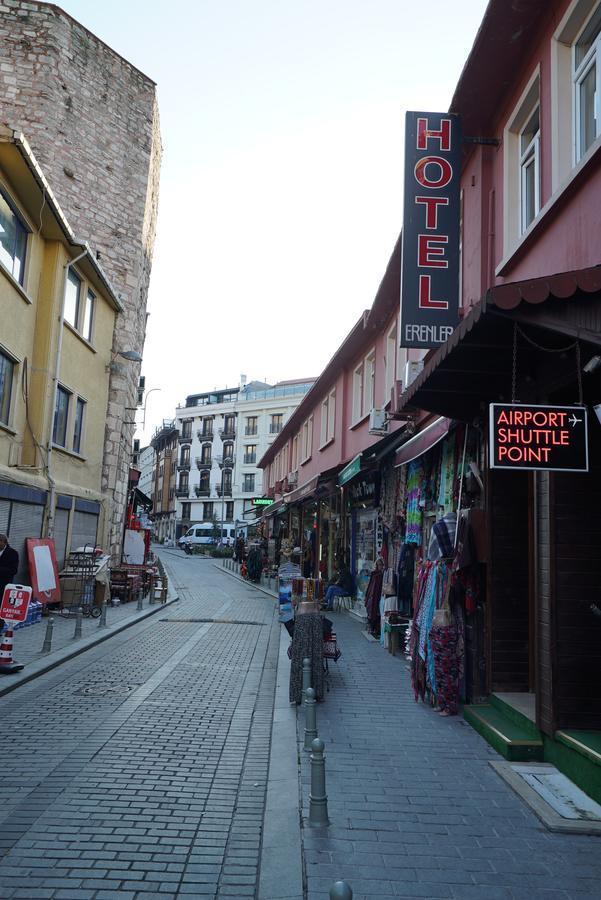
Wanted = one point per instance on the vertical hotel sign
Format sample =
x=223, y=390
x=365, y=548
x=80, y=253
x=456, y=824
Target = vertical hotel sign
x=430, y=263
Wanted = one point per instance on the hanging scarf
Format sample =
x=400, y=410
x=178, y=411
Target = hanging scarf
x=415, y=477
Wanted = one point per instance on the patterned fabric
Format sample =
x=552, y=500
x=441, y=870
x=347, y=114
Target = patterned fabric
x=415, y=478
x=447, y=651
x=307, y=642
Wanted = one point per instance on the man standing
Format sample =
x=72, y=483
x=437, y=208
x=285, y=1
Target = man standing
x=9, y=564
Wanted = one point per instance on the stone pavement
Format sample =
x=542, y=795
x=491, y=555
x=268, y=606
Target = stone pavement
x=139, y=769
x=415, y=808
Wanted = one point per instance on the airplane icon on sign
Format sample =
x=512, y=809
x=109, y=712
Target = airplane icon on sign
x=574, y=421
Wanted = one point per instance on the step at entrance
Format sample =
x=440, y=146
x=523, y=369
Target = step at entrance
x=515, y=740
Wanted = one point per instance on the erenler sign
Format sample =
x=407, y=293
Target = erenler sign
x=430, y=262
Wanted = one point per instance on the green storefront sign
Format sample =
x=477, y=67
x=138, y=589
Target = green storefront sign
x=353, y=468
x=261, y=501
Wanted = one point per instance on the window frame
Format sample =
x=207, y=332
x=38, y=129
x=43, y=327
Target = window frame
x=22, y=224
x=78, y=434
x=73, y=275
x=87, y=325
x=246, y=481
x=6, y=395
x=529, y=157
x=61, y=390
x=579, y=73
x=358, y=383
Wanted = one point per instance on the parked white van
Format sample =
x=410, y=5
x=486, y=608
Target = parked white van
x=197, y=534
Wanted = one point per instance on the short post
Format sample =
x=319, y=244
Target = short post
x=78, y=623
x=310, y=718
x=140, y=604
x=47, y=645
x=306, y=675
x=102, y=622
x=318, y=799
x=152, y=590
x=340, y=890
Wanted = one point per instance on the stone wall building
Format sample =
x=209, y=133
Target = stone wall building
x=92, y=120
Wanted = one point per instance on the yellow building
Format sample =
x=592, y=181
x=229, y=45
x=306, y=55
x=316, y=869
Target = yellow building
x=57, y=316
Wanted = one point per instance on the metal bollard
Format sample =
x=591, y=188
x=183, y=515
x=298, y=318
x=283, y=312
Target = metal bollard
x=102, y=622
x=340, y=890
x=310, y=718
x=47, y=645
x=78, y=623
x=318, y=799
x=140, y=605
x=306, y=675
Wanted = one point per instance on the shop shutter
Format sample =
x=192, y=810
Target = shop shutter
x=61, y=525
x=26, y=521
x=85, y=528
x=4, y=516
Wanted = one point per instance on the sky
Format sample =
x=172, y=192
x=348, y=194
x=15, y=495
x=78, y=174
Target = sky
x=281, y=181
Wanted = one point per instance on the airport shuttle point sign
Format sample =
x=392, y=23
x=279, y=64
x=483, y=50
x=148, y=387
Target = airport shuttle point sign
x=536, y=437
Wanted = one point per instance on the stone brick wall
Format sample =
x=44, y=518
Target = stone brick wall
x=92, y=121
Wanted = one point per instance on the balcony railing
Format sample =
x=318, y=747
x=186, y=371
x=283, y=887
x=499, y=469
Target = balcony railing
x=185, y=437
x=224, y=492
x=226, y=462
x=202, y=463
x=250, y=459
x=228, y=433
x=275, y=429
x=182, y=491
x=202, y=492
x=250, y=430
x=204, y=435
x=183, y=465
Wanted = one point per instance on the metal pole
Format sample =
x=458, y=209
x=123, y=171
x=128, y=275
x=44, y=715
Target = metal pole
x=340, y=890
x=306, y=675
x=140, y=604
x=78, y=623
x=102, y=623
x=310, y=718
x=318, y=799
x=47, y=645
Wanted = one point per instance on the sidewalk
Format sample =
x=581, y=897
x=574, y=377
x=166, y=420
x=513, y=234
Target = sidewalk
x=27, y=642
x=415, y=808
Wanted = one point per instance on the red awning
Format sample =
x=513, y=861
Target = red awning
x=423, y=441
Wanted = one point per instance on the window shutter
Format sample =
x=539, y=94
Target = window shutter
x=61, y=525
x=26, y=521
x=85, y=528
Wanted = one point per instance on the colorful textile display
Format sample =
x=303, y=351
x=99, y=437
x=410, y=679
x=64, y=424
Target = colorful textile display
x=415, y=477
x=447, y=474
x=307, y=642
x=447, y=650
x=431, y=586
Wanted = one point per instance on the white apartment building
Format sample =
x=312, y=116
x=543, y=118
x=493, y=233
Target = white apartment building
x=222, y=436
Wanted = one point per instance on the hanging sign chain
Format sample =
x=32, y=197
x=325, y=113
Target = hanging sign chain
x=514, y=364
x=579, y=373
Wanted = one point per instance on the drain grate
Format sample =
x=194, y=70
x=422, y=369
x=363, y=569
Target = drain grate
x=214, y=621
x=106, y=690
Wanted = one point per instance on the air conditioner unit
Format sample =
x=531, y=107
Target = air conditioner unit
x=377, y=422
x=412, y=369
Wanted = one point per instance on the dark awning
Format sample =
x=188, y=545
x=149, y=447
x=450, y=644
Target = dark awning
x=474, y=367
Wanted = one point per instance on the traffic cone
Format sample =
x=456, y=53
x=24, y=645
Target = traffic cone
x=7, y=663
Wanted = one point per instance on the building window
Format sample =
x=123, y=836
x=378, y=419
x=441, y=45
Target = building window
x=80, y=407
x=530, y=170
x=229, y=425
x=250, y=454
x=587, y=76
x=294, y=465
x=207, y=511
x=227, y=481
x=328, y=418
x=184, y=457
x=277, y=422
x=307, y=440
x=251, y=425
x=370, y=382
x=228, y=453
x=88, y=316
x=7, y=368
x=183, y=481
x=229, y=510
x=187, y=431
x=207, y=428
x=248, y=484
x=186, y=510
x=205, y=454
x=61, y=416
x=72, y=295
x=391, y=358
x=13, y=239
x=204, y=481
x=358, y=393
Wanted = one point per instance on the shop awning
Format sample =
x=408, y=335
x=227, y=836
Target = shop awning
x=141, y=499
x=303, y=491
x=278, y=507
x=423, y=441
x=474, y=367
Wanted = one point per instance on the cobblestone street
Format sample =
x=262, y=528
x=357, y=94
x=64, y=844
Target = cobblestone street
x=140, y=767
